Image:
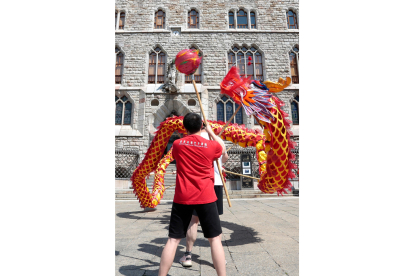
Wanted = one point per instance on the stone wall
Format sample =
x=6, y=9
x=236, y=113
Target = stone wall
x=270, y=15
x=154, y=115
x=214, y=47
x=213, y=38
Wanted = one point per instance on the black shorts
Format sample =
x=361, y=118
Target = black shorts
x=181, y=217
x=219, y=193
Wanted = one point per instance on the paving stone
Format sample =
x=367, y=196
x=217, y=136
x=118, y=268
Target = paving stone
x=285, y=258
x=291, y=269
x=248, y=250
x=257, y=263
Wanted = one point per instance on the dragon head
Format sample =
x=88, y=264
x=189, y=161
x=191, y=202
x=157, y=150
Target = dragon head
x=254, y=95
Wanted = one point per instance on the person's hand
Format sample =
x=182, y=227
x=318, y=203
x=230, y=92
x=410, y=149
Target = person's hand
x=208, y=129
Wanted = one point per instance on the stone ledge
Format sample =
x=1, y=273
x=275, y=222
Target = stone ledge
x=293, y=86
x=127, y=133
x=207, y=87
x=210, y=31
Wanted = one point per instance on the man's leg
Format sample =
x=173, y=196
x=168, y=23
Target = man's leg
x=210, y=223
x=190, y=239
x=179, y=221
x=192, y=233
x=217, y=254
x=219, y=193
x=167, y=256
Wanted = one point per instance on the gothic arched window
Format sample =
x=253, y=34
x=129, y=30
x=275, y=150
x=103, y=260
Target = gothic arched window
x=118, y=65
x=242, y=19
x=231, y=20
x=119, y=20
x=122, y=21
x=123, y=111
x=295, y=110
x=294, y=70
x=231, y=59
x=241, y=63
x=239, y=57
x=193, y=19
x=225, y=109
x=156, y=66
x=292, y=20
x=252, y=20
x=159, y=20
x=197, y=73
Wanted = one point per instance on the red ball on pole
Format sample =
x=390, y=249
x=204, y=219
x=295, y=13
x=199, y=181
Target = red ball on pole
x=187, y=61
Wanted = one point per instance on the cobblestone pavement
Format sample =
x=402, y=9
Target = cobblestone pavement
x=260, y=237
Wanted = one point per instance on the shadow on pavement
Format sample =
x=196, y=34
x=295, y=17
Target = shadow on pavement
x=164, y=220
x=131, y=215
x=131, y=270
x=240, y=235
x=134, y=270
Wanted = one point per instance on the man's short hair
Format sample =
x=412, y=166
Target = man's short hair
x=192, y=122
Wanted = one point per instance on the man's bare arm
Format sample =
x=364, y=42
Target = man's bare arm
x=216, y=138
x=224, y=157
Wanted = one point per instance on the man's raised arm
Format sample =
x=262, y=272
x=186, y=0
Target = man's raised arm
x=215, y=138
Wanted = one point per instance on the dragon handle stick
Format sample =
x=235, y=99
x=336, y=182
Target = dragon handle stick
x=206, y=122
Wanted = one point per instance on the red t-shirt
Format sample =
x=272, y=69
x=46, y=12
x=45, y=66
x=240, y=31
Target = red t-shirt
x=194, y=157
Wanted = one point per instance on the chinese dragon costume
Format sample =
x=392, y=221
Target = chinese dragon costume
x=272, y=147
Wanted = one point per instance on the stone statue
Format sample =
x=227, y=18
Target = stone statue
x=170, y=84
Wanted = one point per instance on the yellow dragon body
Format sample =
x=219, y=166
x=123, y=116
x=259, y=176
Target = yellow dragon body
x=272, y=147
x=272, y=151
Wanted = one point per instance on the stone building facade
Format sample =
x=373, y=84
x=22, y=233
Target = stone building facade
x=156, y=30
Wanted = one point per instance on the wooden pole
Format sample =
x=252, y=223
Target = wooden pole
x=206, y=122
x=231, y=147
x=170, y=186
x=228, y=122
x=242, y=175
x=162, y=173
x=226, y=172
x=258, y=122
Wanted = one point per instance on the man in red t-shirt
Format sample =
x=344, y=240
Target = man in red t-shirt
x=194, y=189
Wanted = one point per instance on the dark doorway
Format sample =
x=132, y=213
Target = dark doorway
x=173, y=137
x=176, y=135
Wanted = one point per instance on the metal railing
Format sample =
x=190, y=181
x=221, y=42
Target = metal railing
x=259, y=77
x=295, y=181
x=233, y=163
x=126, y=161
x=160, y=79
